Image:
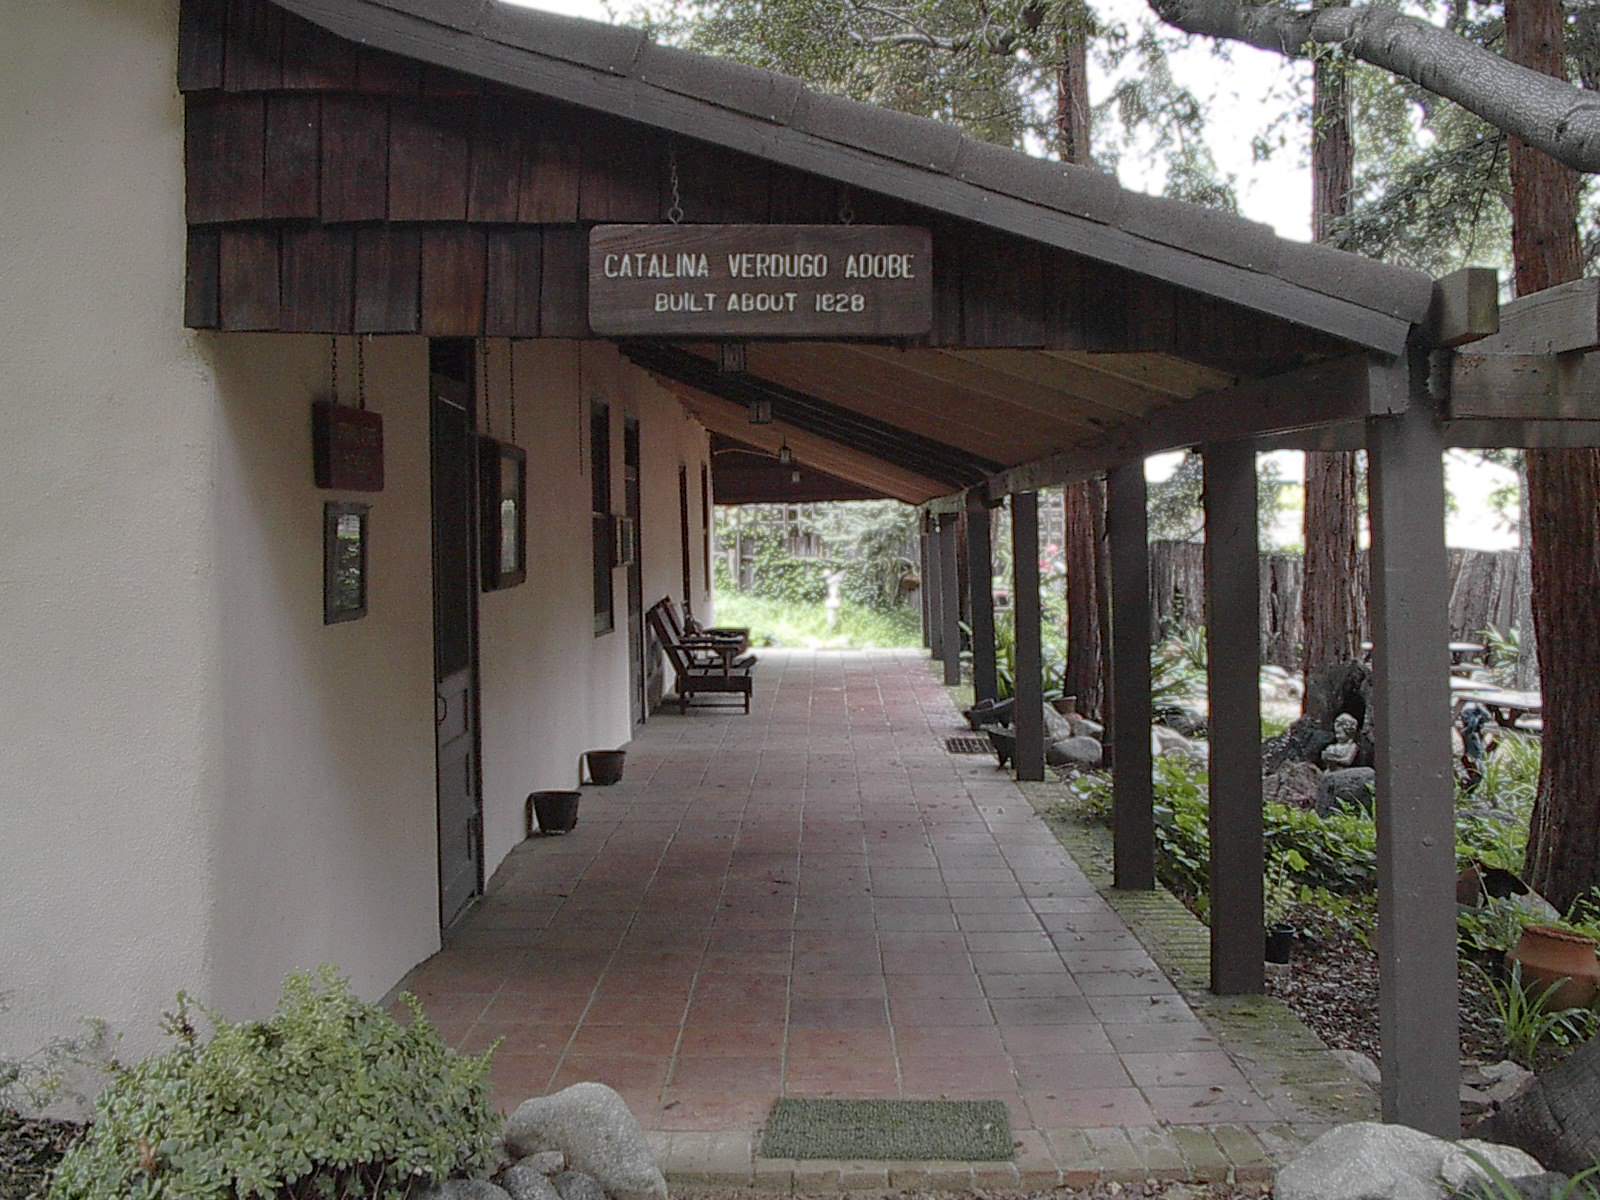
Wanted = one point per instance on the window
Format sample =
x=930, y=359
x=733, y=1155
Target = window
x=600, y=516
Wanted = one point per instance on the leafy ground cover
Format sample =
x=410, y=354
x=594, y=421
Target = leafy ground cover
x=805, y=625
x=1322, y=878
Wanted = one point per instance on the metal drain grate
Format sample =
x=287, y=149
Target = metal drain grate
x=968, y=745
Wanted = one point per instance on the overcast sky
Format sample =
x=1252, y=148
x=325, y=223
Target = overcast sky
x=1241, y=94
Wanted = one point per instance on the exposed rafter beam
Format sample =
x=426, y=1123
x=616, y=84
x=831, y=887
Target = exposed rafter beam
x=941, y=413
x=1342, y=389
x=907, y=450
x=733, y=420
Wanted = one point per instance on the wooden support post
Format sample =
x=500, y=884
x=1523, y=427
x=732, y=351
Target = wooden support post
x=933, y=583
x=1133, y=798
x=1233, y=657
x=949, y=599
x=980, y=582
x=1417, y=991
x=1028, y=715
x=924, y=584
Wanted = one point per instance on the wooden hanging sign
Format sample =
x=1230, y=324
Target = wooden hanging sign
x=346, y=447
x=789, y=281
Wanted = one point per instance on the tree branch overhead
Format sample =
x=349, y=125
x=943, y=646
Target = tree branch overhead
x=1557, y=117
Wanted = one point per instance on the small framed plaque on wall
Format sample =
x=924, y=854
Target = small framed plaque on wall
x=503, y=500
x=344, y=562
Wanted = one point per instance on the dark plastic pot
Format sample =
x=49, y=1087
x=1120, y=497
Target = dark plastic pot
x=605, y=766
x=1280, y=943
x=556, y=812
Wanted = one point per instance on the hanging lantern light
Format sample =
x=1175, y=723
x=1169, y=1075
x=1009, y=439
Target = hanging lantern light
x=785, y=455
x=794, y=476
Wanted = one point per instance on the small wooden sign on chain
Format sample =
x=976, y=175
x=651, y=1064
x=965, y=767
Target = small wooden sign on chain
x=796, y=281
x=346, y=447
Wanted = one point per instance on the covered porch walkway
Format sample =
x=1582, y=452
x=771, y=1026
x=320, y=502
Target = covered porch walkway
x=819, y=899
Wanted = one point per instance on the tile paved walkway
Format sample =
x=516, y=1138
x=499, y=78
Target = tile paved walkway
x=819, y=900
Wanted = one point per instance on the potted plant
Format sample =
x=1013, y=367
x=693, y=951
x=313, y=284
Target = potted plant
x=1560, y=959
x=554, y=812
x=1281, y=896
x=605, y=766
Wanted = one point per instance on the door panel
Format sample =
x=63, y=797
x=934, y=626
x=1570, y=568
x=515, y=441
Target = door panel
x=636, y=667
x=455, y=617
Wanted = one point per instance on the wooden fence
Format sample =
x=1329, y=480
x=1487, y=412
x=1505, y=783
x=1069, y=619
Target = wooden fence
x=1482, y=593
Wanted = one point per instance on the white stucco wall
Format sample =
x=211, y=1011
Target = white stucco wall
x=201, y=785
x=109, y=643
x=551, y=688
x=325, y=822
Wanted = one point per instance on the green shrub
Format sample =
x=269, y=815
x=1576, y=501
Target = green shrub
x=327, y=1097
x=1337, y=853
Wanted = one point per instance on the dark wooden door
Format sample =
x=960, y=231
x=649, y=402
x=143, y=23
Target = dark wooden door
x=636, y=640
x=683, y=524
x=455, y=628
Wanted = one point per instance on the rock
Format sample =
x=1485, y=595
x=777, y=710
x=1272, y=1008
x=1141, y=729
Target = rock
x=1189, y=721
x=1295, y=784
x=1369, y=1161
x=1351, y=789
x=1172, y=743
x=1459, y=1169
x=525, y=1181
x=1056, y=727
x=575, y=1185
x=1474, y=1102
x=547, y=1162
x=1303, y=741
x=1552, y=1185
x=462, y=1189
x=600, y=1137
x=1082, y=752
x=1084, y=727
x=1505, y=1079
x=1362, y=1067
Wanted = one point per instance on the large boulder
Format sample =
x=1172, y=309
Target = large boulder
x=1351, y=789
x=1303, y=741
x=575, y=1185
x=1369, y=1161
x=1295, y=784
x=462, y=1189
x=1082, y=752
x=525, y=1181
x=590, y=1124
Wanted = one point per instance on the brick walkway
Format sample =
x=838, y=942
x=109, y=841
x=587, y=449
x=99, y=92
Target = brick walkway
x=819, y=900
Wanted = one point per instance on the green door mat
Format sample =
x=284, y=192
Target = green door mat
x=960, y=1130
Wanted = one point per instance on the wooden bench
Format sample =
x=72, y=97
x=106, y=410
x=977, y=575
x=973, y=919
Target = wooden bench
x=703, y=666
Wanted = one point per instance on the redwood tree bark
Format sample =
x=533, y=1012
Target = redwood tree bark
x=1085, y=636
x=1330, y=601
x=1564, y=509
x=1088, y=571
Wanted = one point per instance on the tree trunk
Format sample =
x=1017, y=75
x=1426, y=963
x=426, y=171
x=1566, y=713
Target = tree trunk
x=1330, y=613
x=1557, y=1117
x=1527, y=673
x=1085, y=516
x=1088, y=670
x=1563, y=502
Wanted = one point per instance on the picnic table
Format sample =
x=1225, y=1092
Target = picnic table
x=1507, y=706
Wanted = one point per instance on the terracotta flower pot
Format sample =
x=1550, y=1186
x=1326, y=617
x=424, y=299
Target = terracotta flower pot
x=1556, y=956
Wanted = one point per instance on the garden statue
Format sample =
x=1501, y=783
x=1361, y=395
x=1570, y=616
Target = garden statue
x=1344, y=749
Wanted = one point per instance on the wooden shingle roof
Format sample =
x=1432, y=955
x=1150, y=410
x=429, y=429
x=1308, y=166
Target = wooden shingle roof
x=619, y=71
